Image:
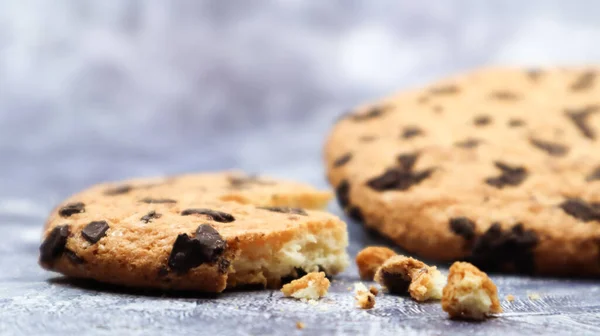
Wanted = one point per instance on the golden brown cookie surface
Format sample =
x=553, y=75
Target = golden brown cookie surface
x=199, y=232
x=497, y=166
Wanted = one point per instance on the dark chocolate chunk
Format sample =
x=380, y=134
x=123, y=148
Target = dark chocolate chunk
x=73, y=257
x=594, y=175
x=119, y=190
x=515, y=122
x=367, y=138
x=355, y=213
x=342, y=192
x=584, y=81
x=342, y=160
x=510, y=176
x=552, y=148
x=411, y=132
x=205, y=247
x=374, y=112
x=445, y=90
x=534, y=74
x=286, y=210
x=581, y=209
x=94, y=231
x=482, y=120
x=504, y=250
x=54, y=245
x=396, y=283
x=158, y=200
x=217, y=216
x=407, y=161
x=468, y=143
x=147, y=218
x=398, y=179
x=463, y=226
x=71, y=209
x=504, y=95
x=579, y=117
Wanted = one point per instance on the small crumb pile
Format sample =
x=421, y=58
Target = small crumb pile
x=365, y=299
x=401, y=274
x=370, y=259
x=312, y=286
x=470, y=293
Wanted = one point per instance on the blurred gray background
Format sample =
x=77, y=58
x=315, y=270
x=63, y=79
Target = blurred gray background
x=102, y=90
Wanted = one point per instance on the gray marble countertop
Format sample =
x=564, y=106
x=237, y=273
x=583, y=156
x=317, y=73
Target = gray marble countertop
x=93, y=91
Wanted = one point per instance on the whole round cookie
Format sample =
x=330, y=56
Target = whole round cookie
x=201, y=232
x=500, y=167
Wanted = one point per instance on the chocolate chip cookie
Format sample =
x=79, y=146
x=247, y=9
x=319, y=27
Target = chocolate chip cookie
x=499, y=167
x=203, y=232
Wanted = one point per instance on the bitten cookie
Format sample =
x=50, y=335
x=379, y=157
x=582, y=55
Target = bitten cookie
x=201, y=232
x=500, y=167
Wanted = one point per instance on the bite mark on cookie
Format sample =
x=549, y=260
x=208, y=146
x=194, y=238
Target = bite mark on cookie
x=551, y=148
x=147, y=218
x=498, y=249
x=581, y=209
x=54, y=244
x=585, y=81
x=205, y=247
x=342, y=160
x=463, y=227
x=579, y=117
x=401, y=177
x=510, y=176
x=94, y=231
x=71, y=209
x=286, y=210
x=217, y=216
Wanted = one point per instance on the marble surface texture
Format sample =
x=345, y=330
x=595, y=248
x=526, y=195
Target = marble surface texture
x=102, y=90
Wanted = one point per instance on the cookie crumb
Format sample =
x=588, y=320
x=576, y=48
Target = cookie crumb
x=299, y=325
x=470, y=293
x=510, y=298
x=533, y=296
x=364, y=298
x=373, y=290
x=370, y=259
x=312, y=286
x=401, y=274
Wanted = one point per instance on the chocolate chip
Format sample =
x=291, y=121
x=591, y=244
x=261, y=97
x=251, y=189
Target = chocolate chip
x=398, y=179
x=223, y=266
x=444, y=90
x=407, y=161
x=504, y=95
x=54, y=245
x=355, y=213
x=411, y=132
x=94, y=231
x=584, y=81
x=534, y=74
x=581, y=209
x=516, y=122
x=119, y=190
x=73, y=257
x=594, y=175
x=463, y=227
x=510, y=176
x=374, y=112
x=217, y=216
x=286, y=210
x=71, y=209
x=396, y=283
x=500, y=250
x=342, y=192
x=482, y=120
x=150, y=216
x=580, y=118
x=342, y=160
x=205, y=247
x=468, y=143
x=367, y=138
x=149, y=200
x=552, y=148
x=240, y=182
